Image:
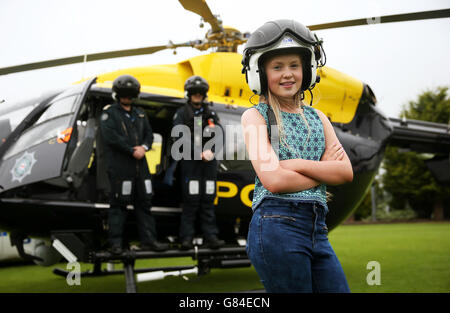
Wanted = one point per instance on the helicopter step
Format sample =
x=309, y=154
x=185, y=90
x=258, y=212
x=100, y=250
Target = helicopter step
x=97, y=270
x=76, y=246
x=226, y=257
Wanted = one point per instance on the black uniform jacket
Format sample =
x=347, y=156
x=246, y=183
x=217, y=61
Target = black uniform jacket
x=185, y=116
x=121, y=131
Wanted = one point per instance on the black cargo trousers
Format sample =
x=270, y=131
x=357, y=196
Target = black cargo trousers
x=199, y=183
x=135, y=191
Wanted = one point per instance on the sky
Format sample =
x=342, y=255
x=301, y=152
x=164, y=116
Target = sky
x=398, y=60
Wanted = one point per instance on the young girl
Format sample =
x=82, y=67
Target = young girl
x=293, y=160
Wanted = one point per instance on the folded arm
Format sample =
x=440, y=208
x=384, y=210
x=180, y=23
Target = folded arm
x=334, y=168
x=274, y=178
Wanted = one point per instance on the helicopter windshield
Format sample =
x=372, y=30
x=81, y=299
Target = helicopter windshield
x=13, y=114
x=58, y=108
x=52, y=122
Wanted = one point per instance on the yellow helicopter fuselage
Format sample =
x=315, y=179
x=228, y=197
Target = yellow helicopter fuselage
x=337, y=95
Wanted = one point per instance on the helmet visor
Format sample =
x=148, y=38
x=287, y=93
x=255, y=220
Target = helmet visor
x=271, y=32
x=130, y=93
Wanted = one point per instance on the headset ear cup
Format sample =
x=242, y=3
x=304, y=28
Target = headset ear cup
x=317, y=53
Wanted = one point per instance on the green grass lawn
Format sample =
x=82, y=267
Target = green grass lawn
x=413, y=257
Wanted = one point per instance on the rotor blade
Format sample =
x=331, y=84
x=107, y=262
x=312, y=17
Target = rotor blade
x=425, y=15
x=88, y=58
x=201, y=8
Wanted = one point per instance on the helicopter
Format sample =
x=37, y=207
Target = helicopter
x=52, y=164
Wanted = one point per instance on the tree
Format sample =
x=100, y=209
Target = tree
x=365, y=208
x=432, y=106
x=407, y=177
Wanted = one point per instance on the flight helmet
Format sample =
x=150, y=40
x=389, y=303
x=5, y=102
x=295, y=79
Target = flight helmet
x=277, y=37
x=126, y=86
x=196, y=84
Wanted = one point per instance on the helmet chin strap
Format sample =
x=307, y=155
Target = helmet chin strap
x=126, y=106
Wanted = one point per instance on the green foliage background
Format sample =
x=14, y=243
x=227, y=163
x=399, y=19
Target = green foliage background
x=406, y=182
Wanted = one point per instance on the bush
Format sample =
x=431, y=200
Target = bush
x=384, y=216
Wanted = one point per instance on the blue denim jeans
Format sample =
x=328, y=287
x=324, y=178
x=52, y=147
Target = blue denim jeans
x=289, y=248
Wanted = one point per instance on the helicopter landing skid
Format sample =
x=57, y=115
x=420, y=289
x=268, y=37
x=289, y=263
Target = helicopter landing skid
x=97, y=272
x=129, y=271
x=75, y=246
x=226, y=257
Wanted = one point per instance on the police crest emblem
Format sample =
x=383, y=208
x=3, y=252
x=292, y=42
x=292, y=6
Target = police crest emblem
x=23, y=166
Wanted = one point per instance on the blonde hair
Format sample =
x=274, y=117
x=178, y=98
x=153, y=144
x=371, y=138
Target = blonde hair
x=273, y=101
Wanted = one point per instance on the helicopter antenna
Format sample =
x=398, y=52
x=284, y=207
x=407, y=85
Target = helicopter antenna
x=83, y=71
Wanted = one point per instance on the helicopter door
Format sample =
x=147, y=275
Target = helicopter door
x=80, y=158
x=154, y=155
x=42, y=150
x=5, y=130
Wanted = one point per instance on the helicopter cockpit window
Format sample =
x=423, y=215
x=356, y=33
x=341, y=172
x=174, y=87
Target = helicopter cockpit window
x=14, y=113
x=60, y=107
x=55, y=120
x=38, y=134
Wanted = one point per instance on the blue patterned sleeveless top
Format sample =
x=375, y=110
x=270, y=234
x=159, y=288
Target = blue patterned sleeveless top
x=296, y=135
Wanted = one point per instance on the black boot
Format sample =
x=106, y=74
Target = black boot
x=154, y=246
x=186, y=244
x=116, y=249
x=213, y=242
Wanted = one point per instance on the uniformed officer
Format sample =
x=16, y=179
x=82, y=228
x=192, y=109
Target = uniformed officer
x=127, y=136
x=199, y=172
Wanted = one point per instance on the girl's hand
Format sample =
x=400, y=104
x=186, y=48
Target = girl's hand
x=334, y=153
x=288, y=164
